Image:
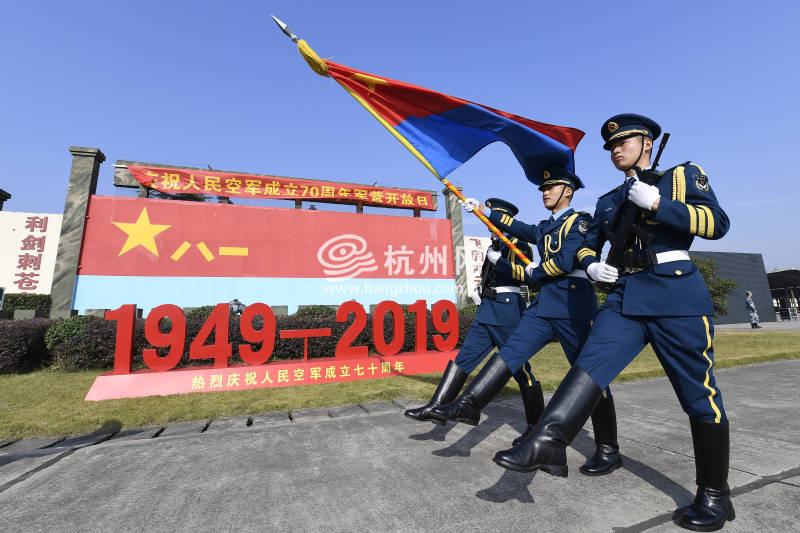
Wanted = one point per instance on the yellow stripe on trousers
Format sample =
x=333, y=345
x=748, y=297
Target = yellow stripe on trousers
x=711, y=390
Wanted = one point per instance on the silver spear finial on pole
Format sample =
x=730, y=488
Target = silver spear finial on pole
x=285, y=29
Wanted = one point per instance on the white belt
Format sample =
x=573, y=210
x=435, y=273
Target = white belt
x=672, y=255
x=507, y=288
x=577, y=273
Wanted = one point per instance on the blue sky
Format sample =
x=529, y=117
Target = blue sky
x=215, y=83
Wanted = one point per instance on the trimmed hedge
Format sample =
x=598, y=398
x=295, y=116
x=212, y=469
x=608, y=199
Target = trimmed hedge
x=82, y=342
x=87, y=342
x=40, y=302
x=315, y=311
x=22, y=345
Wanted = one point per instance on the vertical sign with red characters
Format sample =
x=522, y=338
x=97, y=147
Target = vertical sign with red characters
x=29, y=242
x=474, y=254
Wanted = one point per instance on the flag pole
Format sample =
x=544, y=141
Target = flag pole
x=317, y=64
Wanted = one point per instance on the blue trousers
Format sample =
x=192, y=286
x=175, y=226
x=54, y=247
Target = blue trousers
x=682, y=344
x=482, y=339
x=534, y=332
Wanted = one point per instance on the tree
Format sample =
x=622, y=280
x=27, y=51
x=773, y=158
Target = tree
x=719, y=288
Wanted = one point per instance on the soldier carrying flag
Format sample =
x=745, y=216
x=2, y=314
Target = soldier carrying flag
x=659, y=298
x=500, y=308
x=564, y=308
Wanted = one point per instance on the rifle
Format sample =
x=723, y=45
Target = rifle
x=625, y=227
x=487, y=272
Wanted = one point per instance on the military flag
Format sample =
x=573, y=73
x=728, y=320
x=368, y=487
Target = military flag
x=444, y=131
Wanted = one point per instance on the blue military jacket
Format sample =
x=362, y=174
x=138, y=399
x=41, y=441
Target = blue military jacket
x=687, y=208
x=558, y=242
x=507, y=308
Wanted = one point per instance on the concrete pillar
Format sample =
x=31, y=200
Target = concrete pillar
x=454, y=213
x=82, y=184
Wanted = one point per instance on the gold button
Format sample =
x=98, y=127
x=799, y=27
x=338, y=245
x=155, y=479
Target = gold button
x=572, y=286
x=678, y=272
x=606, y=221
x=507, y=299
x=630, y=249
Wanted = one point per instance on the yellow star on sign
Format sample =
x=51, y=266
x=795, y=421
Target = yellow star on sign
x=141, y=233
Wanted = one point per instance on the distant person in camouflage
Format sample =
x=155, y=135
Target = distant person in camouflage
x=750, y=307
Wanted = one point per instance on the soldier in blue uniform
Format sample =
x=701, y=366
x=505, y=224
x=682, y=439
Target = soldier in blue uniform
x=660, y=298
x=564, y=308
x=501, y=306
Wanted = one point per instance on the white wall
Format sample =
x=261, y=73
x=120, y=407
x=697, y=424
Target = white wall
x=26, y=241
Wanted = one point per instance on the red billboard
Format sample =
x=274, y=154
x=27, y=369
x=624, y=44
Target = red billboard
x=149, y=252
x=132, y=236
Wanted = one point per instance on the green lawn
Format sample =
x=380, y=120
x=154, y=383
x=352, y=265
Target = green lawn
x=50, y=402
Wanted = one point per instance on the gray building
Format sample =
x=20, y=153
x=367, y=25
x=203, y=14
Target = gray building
x=748, y=271
x=785, y=287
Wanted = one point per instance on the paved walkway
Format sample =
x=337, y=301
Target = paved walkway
x=368, y=468
x=781, y=325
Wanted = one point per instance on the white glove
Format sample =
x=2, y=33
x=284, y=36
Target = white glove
x=643, y=195
x=603, y=272
x=476, y=296
x=530, y=267
x=493, y=255
x=470, y=205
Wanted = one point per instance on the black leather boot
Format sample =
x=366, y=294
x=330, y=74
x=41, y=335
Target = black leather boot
x=712, y=505
x=467, y=408
x=449, y=386
x=545, y=448
x=533, y=402
x=606, y=456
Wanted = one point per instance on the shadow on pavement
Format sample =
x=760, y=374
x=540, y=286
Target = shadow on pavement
x=463, y=446
x=679, y=495
x=514, y=485
x=438, y=433
x=511, y=486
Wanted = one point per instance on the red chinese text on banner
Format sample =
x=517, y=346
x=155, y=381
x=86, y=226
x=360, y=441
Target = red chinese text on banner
x=184, y=181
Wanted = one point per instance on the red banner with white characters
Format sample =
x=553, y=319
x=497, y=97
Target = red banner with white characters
x=230, y=184
x=145, y=237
